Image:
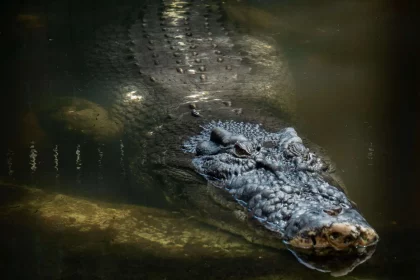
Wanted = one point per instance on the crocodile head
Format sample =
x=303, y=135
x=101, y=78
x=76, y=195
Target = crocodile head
x=289, y=190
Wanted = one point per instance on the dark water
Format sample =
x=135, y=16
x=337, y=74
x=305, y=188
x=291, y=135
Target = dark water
x=354, y=66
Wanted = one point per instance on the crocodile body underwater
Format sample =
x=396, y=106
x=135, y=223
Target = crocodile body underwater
x=207, y=109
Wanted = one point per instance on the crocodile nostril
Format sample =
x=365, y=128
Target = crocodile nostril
x=335, y=235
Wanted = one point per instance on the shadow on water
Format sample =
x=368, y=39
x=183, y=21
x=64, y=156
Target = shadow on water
x=353, y=65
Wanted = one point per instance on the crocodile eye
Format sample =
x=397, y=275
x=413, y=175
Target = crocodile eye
x=241, y=150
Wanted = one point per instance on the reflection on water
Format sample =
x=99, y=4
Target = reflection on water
x=78, y=163
x=370, y=153
x=32, y=157
x=55, y=155
x=337, y=266
x=100, y=157
x=122, y=165
x=336, y=54
x=9, y=157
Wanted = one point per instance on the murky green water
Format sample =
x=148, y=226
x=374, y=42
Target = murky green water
x=347, y=59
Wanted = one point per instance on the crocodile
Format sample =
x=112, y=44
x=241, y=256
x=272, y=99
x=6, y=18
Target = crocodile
x=207, y=109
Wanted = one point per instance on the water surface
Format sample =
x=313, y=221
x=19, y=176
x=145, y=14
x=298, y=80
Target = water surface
x=350, y=60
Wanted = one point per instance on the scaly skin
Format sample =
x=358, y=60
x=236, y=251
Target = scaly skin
x=283, y=185
x=178, y=52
